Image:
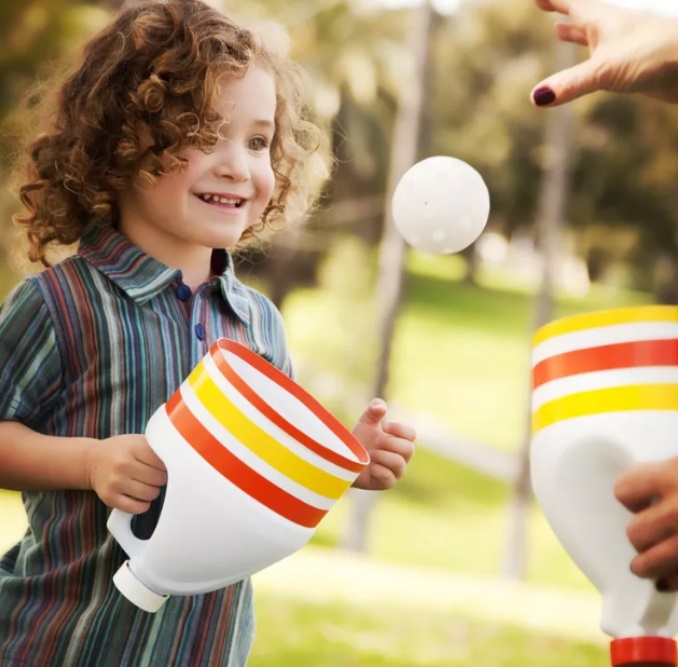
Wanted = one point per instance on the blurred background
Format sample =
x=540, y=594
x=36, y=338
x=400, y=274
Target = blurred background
x=455, y=566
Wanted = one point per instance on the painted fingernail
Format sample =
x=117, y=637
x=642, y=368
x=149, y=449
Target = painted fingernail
x=662, y=585
x=543, y=96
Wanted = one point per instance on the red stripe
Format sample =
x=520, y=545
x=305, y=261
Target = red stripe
x=236, y=471
x=606, y=357
x=273, y=374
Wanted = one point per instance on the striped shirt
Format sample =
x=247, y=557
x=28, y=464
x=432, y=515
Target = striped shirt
x=91, y=347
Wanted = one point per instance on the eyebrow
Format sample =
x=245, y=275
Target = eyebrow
x=265, y=123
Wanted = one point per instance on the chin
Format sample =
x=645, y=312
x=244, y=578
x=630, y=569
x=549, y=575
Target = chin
x=221, y=238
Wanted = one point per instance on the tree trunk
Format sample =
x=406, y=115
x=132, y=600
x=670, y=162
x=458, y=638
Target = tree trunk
x=552, y=205
x=388, y=292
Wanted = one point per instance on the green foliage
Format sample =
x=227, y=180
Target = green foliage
x=485, y=59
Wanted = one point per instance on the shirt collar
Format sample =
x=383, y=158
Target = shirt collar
x=142, y=277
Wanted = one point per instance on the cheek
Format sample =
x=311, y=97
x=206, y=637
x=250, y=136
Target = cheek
x=170, y=187
x=268, y=184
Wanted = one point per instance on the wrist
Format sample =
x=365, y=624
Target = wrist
x=88, y=448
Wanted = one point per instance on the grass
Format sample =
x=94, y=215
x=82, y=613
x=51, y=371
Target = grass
x=317, y=608
x=444, y=516
x=295, y=633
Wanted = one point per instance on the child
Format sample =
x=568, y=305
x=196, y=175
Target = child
x=179, y=136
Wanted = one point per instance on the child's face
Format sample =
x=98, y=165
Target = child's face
x=219, y=194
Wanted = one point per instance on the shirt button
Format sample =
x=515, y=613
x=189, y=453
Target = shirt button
x=184, y=292
x=200, y=332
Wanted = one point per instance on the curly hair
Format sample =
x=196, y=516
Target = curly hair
x=155, y=70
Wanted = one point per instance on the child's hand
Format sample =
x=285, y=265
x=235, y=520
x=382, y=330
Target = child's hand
x=650, y=491
x=126, y=473
x=390, y=446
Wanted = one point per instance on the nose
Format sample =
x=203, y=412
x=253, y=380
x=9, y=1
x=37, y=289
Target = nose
x=232, y=162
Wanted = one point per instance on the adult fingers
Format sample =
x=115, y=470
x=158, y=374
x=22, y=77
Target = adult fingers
x=572, y=32
x=659, y=561
x=653, y=525
x=639, y=486
x=567, y=85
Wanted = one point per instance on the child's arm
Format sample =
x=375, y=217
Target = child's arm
x=124, y=471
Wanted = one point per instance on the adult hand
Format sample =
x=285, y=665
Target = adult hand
x=630, y=52
x=650, y=491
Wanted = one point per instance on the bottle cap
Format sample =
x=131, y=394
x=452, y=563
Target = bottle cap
x=136, y=592
x=632, y=650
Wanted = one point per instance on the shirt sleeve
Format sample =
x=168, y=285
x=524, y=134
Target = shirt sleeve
x=30, y=365
x=271, y=330
x=283, y=359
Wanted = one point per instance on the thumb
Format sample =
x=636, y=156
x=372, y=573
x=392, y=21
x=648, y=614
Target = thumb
x=567, y=85
x=375, y=412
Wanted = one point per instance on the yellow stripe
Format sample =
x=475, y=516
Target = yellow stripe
x=259, y=442
x=611, y=399
x=606, y=318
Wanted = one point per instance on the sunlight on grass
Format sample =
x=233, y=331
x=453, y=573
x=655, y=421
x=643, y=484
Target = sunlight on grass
x=294, y=633
x=454, y=520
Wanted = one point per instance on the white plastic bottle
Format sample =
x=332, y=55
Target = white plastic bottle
x=253, y=465
x=605, y=397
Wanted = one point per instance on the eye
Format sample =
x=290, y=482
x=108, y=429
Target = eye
x=258, y=143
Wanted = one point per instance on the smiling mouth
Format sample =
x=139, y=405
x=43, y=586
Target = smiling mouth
x=218, y=200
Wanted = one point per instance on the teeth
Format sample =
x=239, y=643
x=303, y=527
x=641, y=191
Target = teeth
x=221, y=200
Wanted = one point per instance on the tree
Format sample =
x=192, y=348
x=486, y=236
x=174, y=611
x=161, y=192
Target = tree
x=552, y=208
x=392, y=252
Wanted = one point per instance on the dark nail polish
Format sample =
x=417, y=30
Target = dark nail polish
x=543, y=96
x=662, y=585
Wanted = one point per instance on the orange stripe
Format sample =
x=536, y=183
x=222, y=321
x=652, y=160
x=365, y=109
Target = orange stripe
x=236, y=471
x=272, y=373
x=606, y=357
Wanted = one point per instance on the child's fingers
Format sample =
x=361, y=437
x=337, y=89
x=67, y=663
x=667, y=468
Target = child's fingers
x=140, y=491
x=383, y=476
x=150, y=475
x=390, y=460
x=146, y=455
x=400, y=430
x=374, y=413
x=128, y=505
x=398, y=446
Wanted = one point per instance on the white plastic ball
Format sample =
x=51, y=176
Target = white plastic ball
x=441, y=205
